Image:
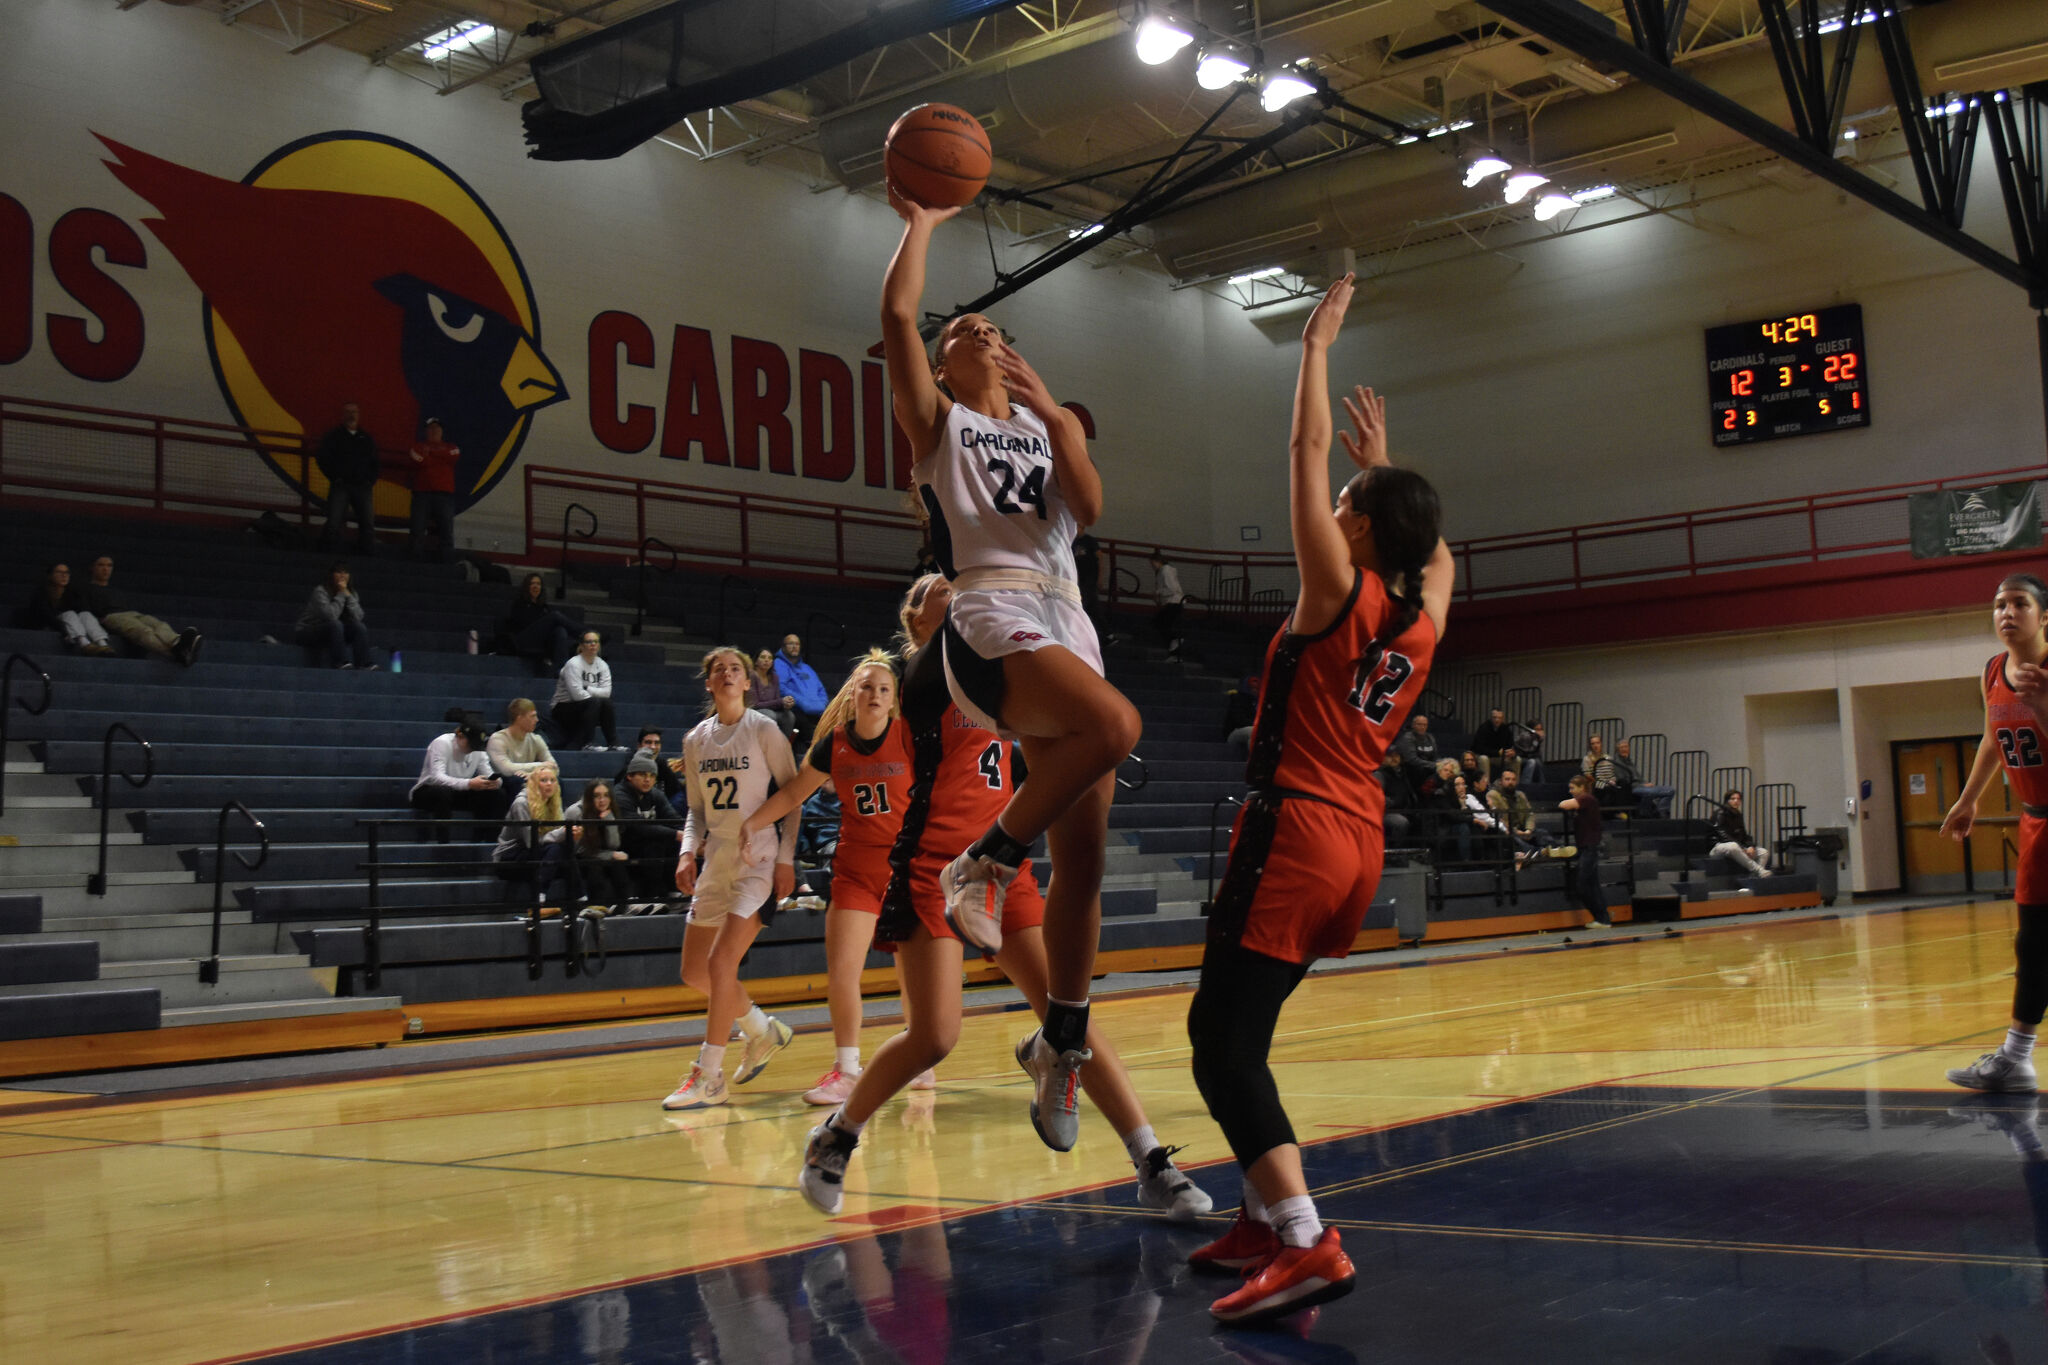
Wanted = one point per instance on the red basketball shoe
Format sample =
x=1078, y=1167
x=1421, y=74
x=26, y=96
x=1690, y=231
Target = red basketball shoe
x=1247, y=1246
x=1295, y=1278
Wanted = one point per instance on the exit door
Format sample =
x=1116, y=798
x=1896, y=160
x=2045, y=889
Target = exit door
x=1927, y=776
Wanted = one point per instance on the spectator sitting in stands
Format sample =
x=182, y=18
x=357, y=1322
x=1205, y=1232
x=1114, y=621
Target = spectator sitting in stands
x=1597, y=766
x=518, y=750
x=1457, y=819
x=55, y=606
x=144, y=632
x=1731, y=837
x=1417, y=748
x=801, y=683
x=331, y=626
x=593, y=827
x=1529, y=742
x=668, y=775
x=1511, y=805
x=1486, y=822
x=648, y=830
x=535, y=631
x=1171, y=602
x=767, y=695
x=1402, y=805
x=1650, y=800
x=1494, y=742
x=1241, y=715
x=583, y=699
x=1470, y=764
x=456, y=775
x=524, y=856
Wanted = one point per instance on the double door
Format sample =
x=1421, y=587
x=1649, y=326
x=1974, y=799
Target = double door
x=1927, y=776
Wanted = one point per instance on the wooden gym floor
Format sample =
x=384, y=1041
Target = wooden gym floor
x=1731, y=1143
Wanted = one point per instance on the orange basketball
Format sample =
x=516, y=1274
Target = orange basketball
x=937, y=155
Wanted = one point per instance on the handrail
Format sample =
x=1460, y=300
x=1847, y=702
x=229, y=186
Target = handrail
x=1144, y=778
x=209, y=970
x=96, y=885
x=640, y=598
x=1216, y=809
x=1687, y=815
x=725, y=583
x=8, y=703
x=562, y=576
x=810, y=630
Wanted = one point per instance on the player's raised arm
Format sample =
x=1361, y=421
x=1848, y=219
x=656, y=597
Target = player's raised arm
x=1366, y=445
x=1320, y=552
x=915, y=396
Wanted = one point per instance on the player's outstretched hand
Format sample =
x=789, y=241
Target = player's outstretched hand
x=1323, y=324
x=1962, y=817
x=914, y=213
x=1023, y=382
x=1366, y=442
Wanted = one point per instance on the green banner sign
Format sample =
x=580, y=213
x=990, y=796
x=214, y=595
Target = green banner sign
x=1975, y=521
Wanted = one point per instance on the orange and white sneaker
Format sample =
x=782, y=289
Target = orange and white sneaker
x=1247, y=1246
x=974, y=886
x=832, y=1088
x=1296, y=1278
x=698, y=1091
x=926, y=1079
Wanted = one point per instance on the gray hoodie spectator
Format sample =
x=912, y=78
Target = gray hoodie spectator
x=332, y=624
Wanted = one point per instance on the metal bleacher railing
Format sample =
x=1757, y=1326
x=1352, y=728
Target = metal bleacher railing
x=209, y=969
x=641, y=566
x=8, y=701
x=96, y=884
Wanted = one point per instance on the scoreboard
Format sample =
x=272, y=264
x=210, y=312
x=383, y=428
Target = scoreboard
x=1788, y=376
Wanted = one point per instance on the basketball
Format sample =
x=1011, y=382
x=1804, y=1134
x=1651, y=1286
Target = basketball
x=937, y=155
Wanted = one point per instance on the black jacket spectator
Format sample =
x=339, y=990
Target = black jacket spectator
x=1495, y=739
x=1730, y=829
x=348, y=458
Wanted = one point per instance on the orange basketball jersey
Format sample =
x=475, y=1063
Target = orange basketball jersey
x=1325, y=723
x=872, y=782
x=2018, y=732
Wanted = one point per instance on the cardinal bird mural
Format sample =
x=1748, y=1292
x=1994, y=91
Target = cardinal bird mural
x=354, y=268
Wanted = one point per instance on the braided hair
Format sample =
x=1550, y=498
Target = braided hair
x=1407, y=522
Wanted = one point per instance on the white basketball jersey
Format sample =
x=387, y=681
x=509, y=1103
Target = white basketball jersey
x=994, y=498
x=727, y=769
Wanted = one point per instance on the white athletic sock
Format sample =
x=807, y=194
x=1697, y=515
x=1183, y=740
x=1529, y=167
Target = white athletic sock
x=711, y=1059
x=1296, y=1222
x=754, y=1023
x=1255, y=1207
x=845, y=1124
x=2018, y=1046
x=847, y=1059
x=1139, y=1142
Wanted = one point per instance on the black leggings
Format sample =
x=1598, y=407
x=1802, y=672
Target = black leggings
x=2030, y=952
x=1230, y=1024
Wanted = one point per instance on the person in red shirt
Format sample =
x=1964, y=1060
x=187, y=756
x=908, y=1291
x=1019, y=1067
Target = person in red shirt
x=433, y=491
x=1345, y=669
x=2015, y=686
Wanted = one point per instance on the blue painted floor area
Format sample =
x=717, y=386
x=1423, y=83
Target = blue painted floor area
x=1792, y=1227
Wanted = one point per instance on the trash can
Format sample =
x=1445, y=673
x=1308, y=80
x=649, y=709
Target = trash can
x=1819, y=855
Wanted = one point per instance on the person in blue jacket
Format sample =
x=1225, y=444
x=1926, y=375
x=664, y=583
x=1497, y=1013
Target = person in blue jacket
x=801, y=682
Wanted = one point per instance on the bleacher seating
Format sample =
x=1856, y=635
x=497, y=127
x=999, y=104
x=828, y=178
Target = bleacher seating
x=315, y=752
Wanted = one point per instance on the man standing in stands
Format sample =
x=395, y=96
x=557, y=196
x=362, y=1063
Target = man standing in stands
x=139, y=629
x=347, y=455
x=456, y=776
x=433, y=492
x=801, y=683
x=1494, y=742
x=518, y=750
x=1170, y=601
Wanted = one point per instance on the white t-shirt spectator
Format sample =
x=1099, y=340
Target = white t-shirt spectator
x=1166, y=586
x=580, y=681
x=444, y=767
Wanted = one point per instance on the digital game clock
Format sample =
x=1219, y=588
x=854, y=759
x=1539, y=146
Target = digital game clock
x=1788, y=376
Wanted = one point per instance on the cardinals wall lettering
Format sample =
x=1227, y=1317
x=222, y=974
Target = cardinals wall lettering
x=353, y=267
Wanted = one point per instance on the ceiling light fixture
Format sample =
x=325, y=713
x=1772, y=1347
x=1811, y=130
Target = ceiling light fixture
x=1593, y=194
x=1520, y=183
x=1251, y=275
x=1284, y=87
x=1160, y=36
x=1219, y=67
x=458, y=39
x=1481, y=166
x=1550, y=205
